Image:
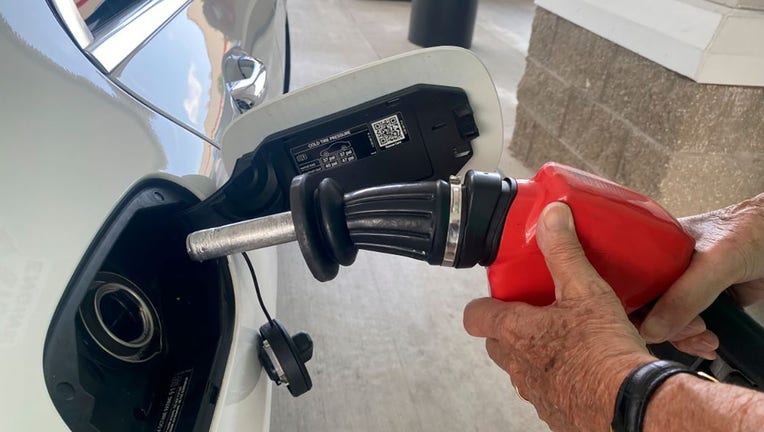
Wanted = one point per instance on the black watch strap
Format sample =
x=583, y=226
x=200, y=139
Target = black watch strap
x=637, y=389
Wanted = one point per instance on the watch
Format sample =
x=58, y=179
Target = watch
x=637, y=389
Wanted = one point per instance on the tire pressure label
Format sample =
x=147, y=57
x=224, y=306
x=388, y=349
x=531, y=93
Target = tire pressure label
x=176, y=394
x=348, y=145
x=339, y=148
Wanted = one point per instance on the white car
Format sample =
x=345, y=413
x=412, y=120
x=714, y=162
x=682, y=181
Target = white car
x=112, y=112
x=128, y=124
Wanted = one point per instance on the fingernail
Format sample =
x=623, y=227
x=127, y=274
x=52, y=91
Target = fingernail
x=707, y=349
x=703, y=345
x=655, y=330
x=557, y=217
x=694, y=328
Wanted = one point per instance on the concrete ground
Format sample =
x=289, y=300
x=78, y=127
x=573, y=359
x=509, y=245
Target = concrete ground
x=390, y=352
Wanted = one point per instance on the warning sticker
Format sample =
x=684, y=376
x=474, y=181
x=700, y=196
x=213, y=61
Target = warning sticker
x=176, y=394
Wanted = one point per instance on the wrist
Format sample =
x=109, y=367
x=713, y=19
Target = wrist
x=687, y=402
x=617, y=371
x=596, y=396
x=675, y=388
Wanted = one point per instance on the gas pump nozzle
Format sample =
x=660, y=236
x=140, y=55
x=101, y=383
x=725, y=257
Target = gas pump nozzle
x=438, y=222
x=486, y=219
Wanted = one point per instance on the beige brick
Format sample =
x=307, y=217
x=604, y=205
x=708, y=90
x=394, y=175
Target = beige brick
x=593, y=132
x=696, y=183
x=690, y=111
x=545, y=147
x=639, y=90
x=718, y=119
x=744, y=128
x=643, y=166
x=682, y=114
x=580, y=57
x=544, y=95
x=522, y=136
x=542, y=35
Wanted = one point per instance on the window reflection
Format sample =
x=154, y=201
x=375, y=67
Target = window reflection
x=97, y=13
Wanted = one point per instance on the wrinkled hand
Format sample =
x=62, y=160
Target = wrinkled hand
x=568, y=359
x=729, y=253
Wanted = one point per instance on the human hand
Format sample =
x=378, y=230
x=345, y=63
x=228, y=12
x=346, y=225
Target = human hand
x=729, y=253
x=568, y=359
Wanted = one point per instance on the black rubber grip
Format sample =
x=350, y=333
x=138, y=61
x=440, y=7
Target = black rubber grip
x=407, y=219
x=741, y=339
x=403, y=219
x=486, y=201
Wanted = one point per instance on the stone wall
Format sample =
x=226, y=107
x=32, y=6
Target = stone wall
x=747, y=4
x=590, y=103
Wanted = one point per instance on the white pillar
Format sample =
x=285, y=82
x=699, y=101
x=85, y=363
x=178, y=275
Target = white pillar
x=719, y=42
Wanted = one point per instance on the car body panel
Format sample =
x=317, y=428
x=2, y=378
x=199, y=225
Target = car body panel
x=74, y=144
x=179, y=71
x=246, y=396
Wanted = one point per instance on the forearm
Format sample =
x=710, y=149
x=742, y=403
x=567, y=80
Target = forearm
x=685, y=402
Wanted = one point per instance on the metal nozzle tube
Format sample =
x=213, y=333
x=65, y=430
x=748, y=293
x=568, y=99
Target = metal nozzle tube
x=241, y=237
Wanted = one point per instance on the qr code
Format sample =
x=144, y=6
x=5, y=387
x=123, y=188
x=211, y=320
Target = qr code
x=388, y=131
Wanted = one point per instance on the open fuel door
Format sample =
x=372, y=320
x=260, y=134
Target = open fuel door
x=422, y=115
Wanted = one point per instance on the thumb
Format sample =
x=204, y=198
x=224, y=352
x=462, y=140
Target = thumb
x=572, y=273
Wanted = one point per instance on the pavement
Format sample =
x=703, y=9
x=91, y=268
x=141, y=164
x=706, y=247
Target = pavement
x=390, y=351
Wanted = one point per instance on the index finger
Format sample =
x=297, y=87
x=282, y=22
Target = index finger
x=691, y=294
x=492, y=318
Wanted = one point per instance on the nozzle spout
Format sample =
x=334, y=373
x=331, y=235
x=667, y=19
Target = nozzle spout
x=241, y=237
